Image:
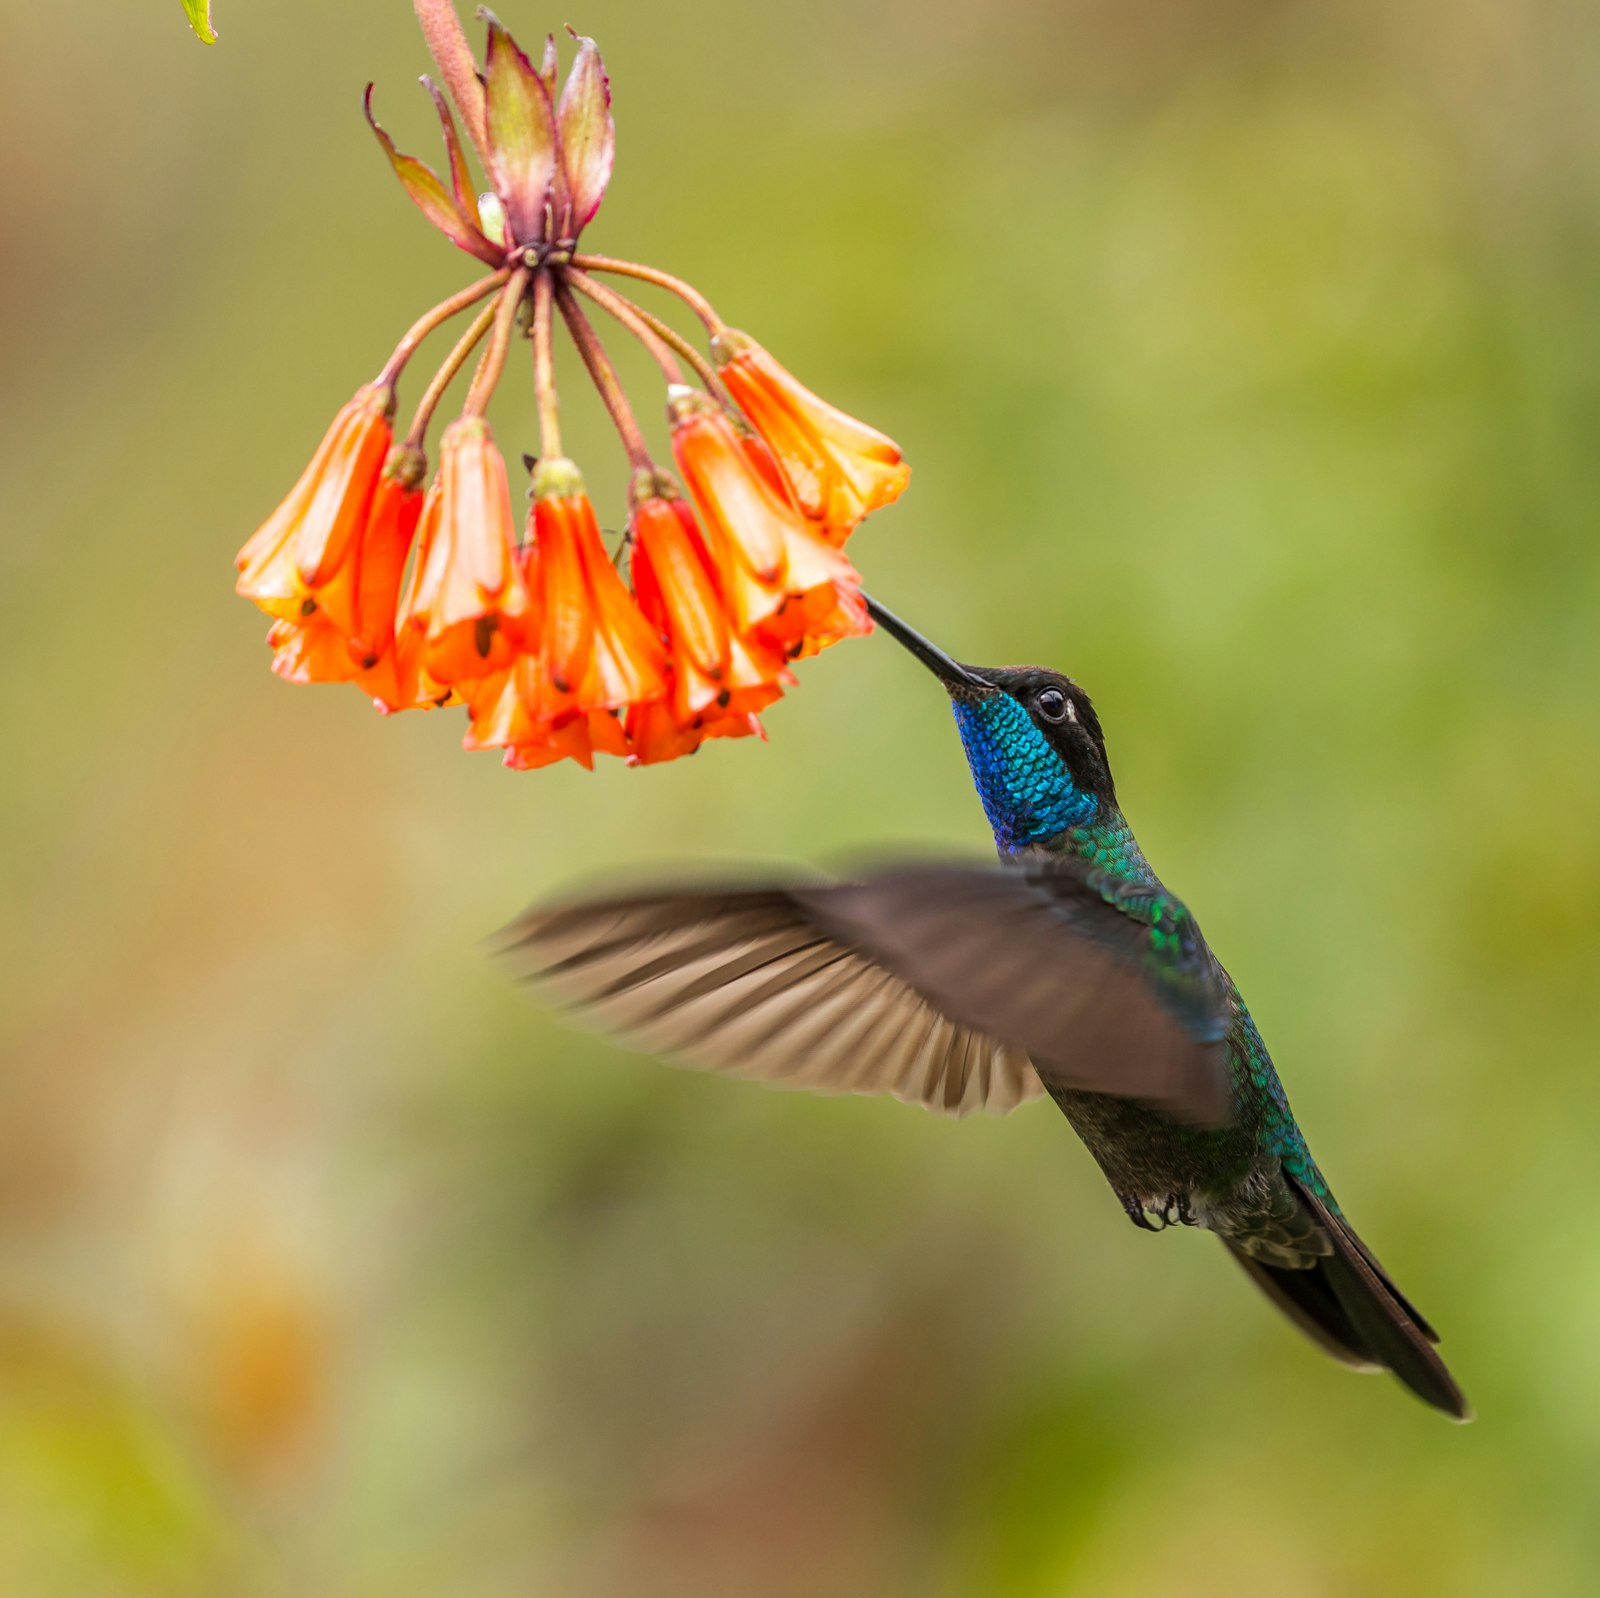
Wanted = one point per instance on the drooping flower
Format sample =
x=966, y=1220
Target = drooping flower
x=315, y=651
x=716, y=672
x=385, y=545
x=468, y=596
x=592, y=653
x=558, y=651
x=502, y=718
x=784, y=584
x=596, y=650
x=840, y=469
x=656, y=735
x=302, y=559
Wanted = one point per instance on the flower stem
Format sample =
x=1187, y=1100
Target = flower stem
x=604, y=375
x=691, y=296
x=494, y=358
x=437, y=317
x=544, y=370
x=443, y=378
x=651, y=331
x=448, y=46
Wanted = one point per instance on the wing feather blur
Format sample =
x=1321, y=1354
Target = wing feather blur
x=743, y=982
x=948, y=986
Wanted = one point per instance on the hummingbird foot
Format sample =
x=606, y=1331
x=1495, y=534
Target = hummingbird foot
x=1175, y=1210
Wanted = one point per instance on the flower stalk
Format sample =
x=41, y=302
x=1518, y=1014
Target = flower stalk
x=664, y=343
x=604, y=377
x=447, y=44
x=544, y=369
x=487, y=377
x=691, y=296
x=446, y=375
x=432, y=320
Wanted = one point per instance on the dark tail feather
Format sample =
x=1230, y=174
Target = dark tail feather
x=1308, y=1299
x=1347, y=1304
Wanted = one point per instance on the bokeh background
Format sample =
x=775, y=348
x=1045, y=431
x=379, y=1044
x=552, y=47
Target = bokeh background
x=1248, y=357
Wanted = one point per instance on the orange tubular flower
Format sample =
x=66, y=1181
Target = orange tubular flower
x=597, y=651
x=385, y=544
x=302, y=560
x=502, y=719
x=467, y=594
x=423, y=599
x=840, y=469
x=655, y=734
x=715, y=672
x=783, y=584
x=592, y=655
x=316, y=651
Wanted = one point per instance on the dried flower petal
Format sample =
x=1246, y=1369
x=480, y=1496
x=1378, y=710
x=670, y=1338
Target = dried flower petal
x=456, y=220
x=522, y=134
x=588, y=137
x=461, y=185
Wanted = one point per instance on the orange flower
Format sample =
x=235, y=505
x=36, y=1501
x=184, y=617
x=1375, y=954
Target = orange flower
x=840, y=469
x=443, y=597
x=592, y=655
x=782, y=583
x=467, y=594
x=714, y=671
x=302, y=560
x=316, y=651
x=502, y=719
x=385, y=544
x=655, y=734
x=595, y=650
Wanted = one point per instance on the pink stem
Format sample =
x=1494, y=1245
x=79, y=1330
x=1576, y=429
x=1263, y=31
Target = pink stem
x=447, y=44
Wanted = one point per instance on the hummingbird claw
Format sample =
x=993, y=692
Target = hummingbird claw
x=1134, y=1206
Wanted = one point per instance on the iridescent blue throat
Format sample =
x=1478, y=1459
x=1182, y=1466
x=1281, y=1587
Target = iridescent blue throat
x=1028, y=794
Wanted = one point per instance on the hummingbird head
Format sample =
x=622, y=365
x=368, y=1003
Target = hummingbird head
x=1032, y=740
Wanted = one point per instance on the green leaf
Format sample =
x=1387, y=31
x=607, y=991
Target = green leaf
x=199, y=14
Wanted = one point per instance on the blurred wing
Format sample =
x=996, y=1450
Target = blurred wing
x=1097, y=996
x=747, y=982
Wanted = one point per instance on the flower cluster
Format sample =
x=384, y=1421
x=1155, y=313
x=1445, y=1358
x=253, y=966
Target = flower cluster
x=731, y=568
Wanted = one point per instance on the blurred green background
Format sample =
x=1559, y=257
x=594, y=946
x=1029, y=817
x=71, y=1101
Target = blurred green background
x=1248, y=358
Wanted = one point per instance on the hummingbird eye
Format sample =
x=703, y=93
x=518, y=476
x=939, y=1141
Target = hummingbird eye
x=1054, y=705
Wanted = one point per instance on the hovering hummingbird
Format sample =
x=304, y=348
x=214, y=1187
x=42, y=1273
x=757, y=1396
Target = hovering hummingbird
x=1071, y=970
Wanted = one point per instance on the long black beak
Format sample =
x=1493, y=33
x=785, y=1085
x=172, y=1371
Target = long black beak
x=950, y=672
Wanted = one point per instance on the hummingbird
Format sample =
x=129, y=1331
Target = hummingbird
x=1069, y=970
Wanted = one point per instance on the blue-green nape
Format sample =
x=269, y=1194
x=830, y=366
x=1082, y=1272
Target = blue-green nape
x=1027, y=791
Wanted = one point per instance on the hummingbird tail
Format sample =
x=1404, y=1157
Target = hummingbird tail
x=1346, y=1303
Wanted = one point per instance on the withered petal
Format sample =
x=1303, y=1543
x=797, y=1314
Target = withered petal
x=588, y=134
x=431, y=197
x=522, y=134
